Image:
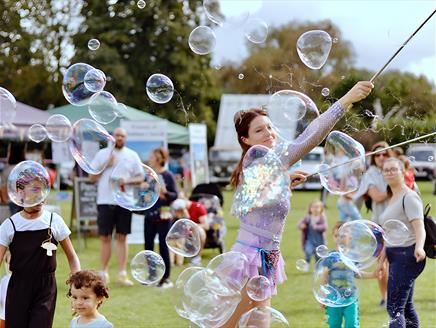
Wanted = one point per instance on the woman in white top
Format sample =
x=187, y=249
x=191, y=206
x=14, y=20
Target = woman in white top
x=407, y=260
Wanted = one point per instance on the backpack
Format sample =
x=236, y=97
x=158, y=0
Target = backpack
x=430, y=232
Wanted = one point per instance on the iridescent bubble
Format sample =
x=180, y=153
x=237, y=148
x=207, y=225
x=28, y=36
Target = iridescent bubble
x=202, y=40
x=291, y=112
x=121, y=110
x=346, y=159
x=263, y=316
x=302, y=265
x=256, y=30
x=8, y=106
x=325, y=92
x=141, y=4
x=147, y=267
x=259, y=288
x=87, y=139
x=356, y=241
x=241, y=76
x=28, y=184
x=225, y=12
x=93, y=44
x=37, y=133
x=322, y=251
x=73, y=84
x=313, y=47
x=184, y=238
x=95, y=80
x=160, y=88
x=58, y=128
x=135, y=186
x=396, y=232
x=326, y=288
x=102, y=107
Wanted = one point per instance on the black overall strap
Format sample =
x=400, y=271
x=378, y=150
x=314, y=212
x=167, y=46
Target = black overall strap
x=51, y=219
x=13, y=225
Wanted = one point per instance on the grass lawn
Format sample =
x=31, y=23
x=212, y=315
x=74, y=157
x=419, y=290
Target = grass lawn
x=142, y=306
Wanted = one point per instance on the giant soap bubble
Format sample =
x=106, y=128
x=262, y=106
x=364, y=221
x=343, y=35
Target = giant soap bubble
x=230, y=12
x=178, y=300
x=102, y=107
x=135, y=186
x=147, y=267
x=73, y=84
x=263, y=316
x=396, y=232
x=345, y=160
x=87, y=139
x=58, y=128
x=356, y=241
x=202, y=40
x=8, y=106
x=160, y=88
x=313, y=47
x=291, y=112
x=28, y=184
x=184, y=238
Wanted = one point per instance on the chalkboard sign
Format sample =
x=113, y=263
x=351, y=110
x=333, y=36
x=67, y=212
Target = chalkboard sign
x=85, y=196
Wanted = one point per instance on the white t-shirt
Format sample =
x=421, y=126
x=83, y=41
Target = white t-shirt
x=3, y=291
x=126, y=155
x=59, y=229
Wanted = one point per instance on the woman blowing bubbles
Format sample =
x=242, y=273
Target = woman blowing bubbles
x=263, y=218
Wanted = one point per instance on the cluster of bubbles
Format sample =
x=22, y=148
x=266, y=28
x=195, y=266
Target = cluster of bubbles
x=57, y=128
x=147, y=267
x=208, y=296
x=343, y=164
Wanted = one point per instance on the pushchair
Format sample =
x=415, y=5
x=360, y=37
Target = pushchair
x=213, y=204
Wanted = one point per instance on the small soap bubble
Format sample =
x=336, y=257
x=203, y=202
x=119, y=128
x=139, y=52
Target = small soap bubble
x=37, y=133
x=241, y=76
x=325, y=92
x=93, y=44
x=141, y=4
x=147, y=267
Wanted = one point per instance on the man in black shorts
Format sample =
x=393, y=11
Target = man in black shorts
x=110, y=215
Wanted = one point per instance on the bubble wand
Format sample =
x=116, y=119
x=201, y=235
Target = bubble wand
x=401, y=47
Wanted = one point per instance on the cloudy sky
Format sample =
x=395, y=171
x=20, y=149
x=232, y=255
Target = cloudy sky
x=376, y=28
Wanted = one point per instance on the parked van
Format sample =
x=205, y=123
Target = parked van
x=310, y=164
x=423, y=158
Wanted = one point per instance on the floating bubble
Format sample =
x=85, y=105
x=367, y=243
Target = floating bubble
x=313, y=47
x=396, y=232
x=335, y=40
x=431, y=158
x=263, y=316
x=160, y=88
x=302, y=265
x=121, y=110
x=325, y=92
x=259, y=288
x=87, y=139
x=241, y=76
x=225, y=12
x=141, y=4
x=8, y=106
x=291, y=112
x=95, y=80
x=330, y=290
x=58, y=128
x=73, y=84
x=135, y=186
x=356, y=241
x=147, y=267
x=102, y=107
x=179, y=285
x=93, y=44
x=322, y=251
x=37, y=133
x=184, y=238
x=346, y=159
x=256, y=30
x=28, y=184
x=202, y=40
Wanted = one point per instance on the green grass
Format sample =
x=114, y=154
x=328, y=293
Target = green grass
x=142, y=306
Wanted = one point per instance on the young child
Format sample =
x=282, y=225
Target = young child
x=31, y=236
x=313, y=227
x=4, y=282
x=340, y=276
x=87, y=292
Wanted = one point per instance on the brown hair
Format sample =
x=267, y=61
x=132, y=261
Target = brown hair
x=88, y=279
x=400, y=165
x=313, y=202
x=242, y=120
x=337, y=226
x=161, y=155
x=381, y=145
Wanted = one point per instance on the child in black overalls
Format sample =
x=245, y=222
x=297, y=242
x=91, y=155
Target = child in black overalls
x=32, y=236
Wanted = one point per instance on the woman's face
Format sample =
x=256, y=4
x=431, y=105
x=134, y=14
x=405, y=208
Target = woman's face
x=153, y=161
x=379, y=158
x=392, y=173
x=260, y=132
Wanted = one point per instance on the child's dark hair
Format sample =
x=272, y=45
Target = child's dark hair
x=88, y=279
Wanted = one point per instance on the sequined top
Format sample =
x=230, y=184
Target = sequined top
x=262, y=198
